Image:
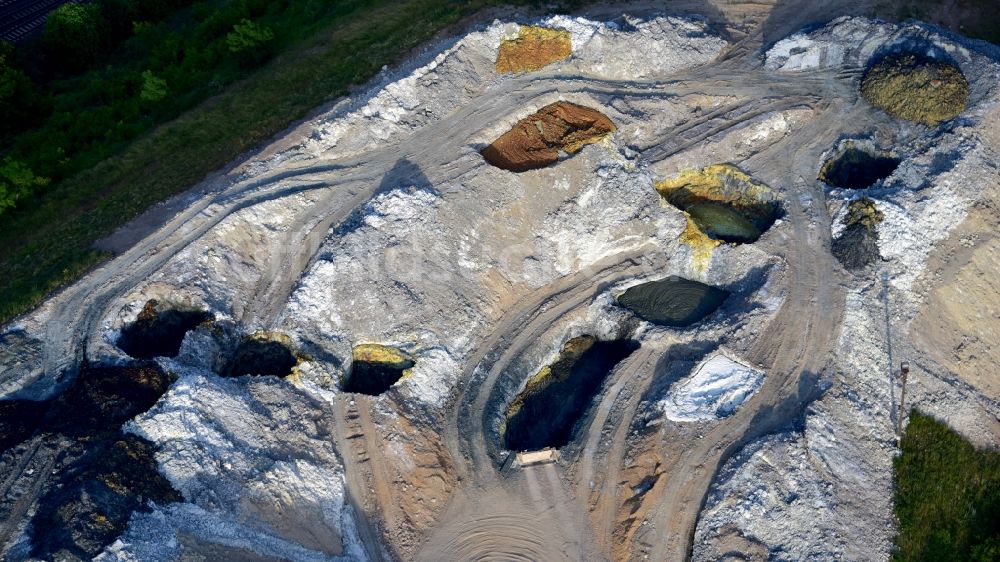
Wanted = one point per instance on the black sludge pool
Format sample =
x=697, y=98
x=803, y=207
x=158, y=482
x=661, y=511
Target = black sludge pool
x=553, y=401
x=674, y=301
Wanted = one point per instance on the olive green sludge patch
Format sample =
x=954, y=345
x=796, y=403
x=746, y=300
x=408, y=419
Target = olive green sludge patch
x=916, y=88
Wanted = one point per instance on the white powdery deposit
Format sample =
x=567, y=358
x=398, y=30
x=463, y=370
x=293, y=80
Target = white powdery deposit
x=822, y=493
x=466, y=69
x=432, y=270
x=638, y=48
x=714, y=390
x=255, y=463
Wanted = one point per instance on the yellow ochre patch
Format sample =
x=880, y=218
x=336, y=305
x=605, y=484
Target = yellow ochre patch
x=533, y=48
x=377, y=353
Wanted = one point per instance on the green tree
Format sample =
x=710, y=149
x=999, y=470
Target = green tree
x=154, y=89
x=18, y=105
x=250, y=41
x=73, y=36
x=17, y=181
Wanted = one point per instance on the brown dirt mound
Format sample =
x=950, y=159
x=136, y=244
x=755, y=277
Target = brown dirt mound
x=533, y=48
x=535, y=141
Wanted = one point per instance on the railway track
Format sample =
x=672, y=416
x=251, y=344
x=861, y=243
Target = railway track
x=19, y=19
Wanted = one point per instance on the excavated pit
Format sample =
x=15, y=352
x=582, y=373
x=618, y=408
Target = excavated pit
x=159, y=331
x=89, y=476
x=722, y=203
x=916, y=88
x=536, y=141
x=857, y=246
x=857, y=167
x=674, y=301
x=262, y=355
x=546, y=412
x=375, y=368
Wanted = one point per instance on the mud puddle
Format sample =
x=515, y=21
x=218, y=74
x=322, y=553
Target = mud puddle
x=375, y=368
x=857, y=167
x=159, y=330
x=674, y=301
x=545, y=413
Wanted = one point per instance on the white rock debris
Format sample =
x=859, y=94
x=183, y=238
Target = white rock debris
x=714, y=390
x=823, y=492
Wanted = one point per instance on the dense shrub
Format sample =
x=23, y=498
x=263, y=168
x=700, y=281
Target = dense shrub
x=947, y=496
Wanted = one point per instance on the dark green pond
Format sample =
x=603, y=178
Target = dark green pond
x=549, y=410
x=673, y=301
x=723, y=223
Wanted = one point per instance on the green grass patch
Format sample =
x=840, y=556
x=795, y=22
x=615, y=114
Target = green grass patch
x=947, y=496
x=49, y=242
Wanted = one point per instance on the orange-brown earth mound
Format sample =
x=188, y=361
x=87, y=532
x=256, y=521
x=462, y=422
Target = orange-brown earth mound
x=535, y=141
x=533, y=48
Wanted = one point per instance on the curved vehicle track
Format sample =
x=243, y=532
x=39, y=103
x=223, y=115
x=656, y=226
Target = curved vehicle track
x=795, y=345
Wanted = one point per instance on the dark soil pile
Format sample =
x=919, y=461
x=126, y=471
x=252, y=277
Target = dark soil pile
x=857, y=246
x=916, y=88
x=857, y=168
x=95, y=496
x=545, y=412
x=535, y=141
x=105, y=476
x=673, y=301
x=159, y=332
x=261, y=356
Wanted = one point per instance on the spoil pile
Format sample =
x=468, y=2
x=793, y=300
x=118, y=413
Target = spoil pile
x=535, y=141
x=916, y=88
x=857, y=245
x=104, y=477
x=263, y=354
x=95, y=496
x=533, y=48
x=553, y=400
x=674, y=301
x=159, y=331
x=375, y=368
x=722, y=203
x=857, y=167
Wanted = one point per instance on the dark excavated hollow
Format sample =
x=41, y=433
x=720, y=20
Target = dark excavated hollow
x=261, y=357
x=159, y=333
x=674, y=301
x=373, y=378
x=546, y=412
x=857, y=168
